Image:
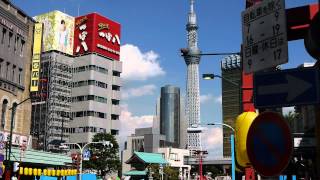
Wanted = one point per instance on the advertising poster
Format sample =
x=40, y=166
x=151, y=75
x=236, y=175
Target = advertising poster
x=98, y=34
x=58, y=31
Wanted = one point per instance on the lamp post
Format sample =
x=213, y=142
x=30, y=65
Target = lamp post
x=233, y=159
x=233, y=169
x=81, y=151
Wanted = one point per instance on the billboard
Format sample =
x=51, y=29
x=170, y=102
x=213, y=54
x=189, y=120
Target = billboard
x=98, y=34
x=58, y=31
x=35, y=63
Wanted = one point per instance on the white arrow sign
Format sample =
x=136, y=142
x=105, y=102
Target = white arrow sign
x=294, y=87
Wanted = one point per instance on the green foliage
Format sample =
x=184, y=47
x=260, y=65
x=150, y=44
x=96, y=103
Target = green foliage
x=104, y=159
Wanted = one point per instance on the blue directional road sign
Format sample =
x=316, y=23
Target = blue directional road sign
x=86, y=155
x=286, y=88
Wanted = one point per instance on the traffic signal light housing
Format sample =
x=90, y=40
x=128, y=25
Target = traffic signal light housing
x=312, y=39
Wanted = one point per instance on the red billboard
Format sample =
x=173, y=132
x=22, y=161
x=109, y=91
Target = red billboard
x=98, y=34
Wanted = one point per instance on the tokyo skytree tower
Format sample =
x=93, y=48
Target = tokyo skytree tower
x=191, y=56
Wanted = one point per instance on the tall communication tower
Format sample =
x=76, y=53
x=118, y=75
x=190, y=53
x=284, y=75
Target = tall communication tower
x=191, y=56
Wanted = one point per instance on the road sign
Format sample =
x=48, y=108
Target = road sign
x=269, y=144
x=286, y=88
x=86, y=155
x=264, y=34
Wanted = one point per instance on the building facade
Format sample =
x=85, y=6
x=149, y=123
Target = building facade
x=143, y=140
x=51, y=104
x=231, y=97
x=16, y=38
x=95, y=97
x=96, y=78
x=170, y=114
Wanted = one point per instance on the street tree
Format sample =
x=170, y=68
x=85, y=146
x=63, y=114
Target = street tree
x=105, y=158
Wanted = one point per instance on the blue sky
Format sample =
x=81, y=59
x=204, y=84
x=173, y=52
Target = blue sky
x=153, y=31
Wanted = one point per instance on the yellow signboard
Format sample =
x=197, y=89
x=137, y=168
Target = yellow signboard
x=35, y=64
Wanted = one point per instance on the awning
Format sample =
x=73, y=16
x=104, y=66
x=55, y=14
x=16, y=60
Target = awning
x=135, y=173
x=146, y=158
x=40, y=157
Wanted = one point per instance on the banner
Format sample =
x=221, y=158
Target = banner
x=35, y=64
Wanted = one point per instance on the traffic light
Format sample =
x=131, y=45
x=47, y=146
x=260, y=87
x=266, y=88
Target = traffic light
x=243, y=123
x=312, y=39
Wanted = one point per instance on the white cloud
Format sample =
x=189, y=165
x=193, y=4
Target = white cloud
x=286, y=110
x=129, y=123
x=205, y=98
x=139, y=91
x=138, y=65
x=218, y=99
x=208, y=97
x=212, y=141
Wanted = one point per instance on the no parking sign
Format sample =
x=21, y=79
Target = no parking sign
x=269, y=144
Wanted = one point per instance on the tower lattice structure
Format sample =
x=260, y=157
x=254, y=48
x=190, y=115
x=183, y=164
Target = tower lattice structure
x=192, y=59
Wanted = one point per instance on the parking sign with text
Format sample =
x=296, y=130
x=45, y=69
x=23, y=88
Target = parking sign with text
x=264, y=34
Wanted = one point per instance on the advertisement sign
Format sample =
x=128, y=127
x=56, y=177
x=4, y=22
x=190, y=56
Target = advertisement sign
x=95, y=33
x=58, y=31
x=16, y=138
x=35, y=64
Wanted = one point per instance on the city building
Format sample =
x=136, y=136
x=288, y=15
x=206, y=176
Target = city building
x=143, y=140
x=16, y=29
x=96, y=78
x=231, y=96
x=51, y=104
x=170, y=113
x=51, y=101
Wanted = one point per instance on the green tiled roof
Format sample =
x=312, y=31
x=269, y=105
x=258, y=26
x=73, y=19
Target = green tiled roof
x=135, y=173
x=148, y=158
x=41, y=157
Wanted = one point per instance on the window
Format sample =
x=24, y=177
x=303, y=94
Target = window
x=115, y=88
x=13, y=73
x=4, y=32
x=16, y=40
x=116, y=73
x=10, y=38
x=19, y=76
x=115, y=102
x=7, y=70
x=22, y=47
x=3, y=112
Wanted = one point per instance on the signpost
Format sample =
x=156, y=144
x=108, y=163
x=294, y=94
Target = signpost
x=269, y=144
x=86, y=155
x=264, y=34
x=286, y=88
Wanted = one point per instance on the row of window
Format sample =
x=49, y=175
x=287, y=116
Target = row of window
x=4, y=110
x=15, y=41
x=89, y=113
x=89, y=98
x=10, y=72
x=90, y=82
x=90, y=68
x=87, y=129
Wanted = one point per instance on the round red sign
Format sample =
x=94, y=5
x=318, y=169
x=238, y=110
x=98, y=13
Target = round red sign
x=269, y=144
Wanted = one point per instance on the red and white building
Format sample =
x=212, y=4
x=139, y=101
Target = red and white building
x=96, y=78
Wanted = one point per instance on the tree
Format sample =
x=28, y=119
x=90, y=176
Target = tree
x=104, y=159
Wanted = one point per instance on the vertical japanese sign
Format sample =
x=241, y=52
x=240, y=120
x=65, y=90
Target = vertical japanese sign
x=35, y=64
x=264, y=34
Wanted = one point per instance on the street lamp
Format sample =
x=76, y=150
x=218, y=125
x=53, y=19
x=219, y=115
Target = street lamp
x=212, y=76
x=104, y=143
x=233, y=159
